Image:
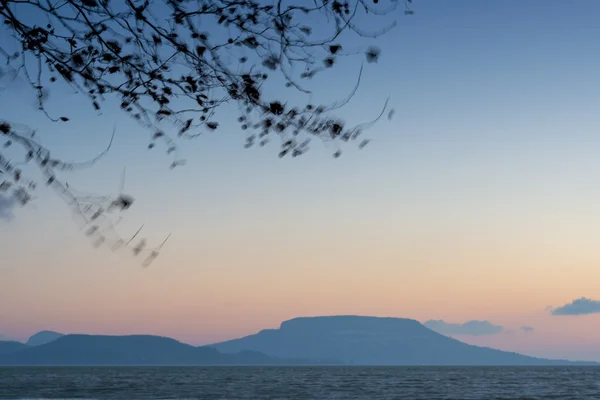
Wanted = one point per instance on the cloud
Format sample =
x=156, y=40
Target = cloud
x=476, y=328
x=7, y=204
x=581, y=306
x=527, y=329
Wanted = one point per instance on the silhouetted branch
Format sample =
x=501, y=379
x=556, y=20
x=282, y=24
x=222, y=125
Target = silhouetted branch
x=178, y=61
x=94, y=213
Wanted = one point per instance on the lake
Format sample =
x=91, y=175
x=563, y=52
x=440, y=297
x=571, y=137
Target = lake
x=287, y=383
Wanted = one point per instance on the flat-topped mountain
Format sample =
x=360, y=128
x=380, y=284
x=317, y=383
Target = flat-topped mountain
x=351, y=340
x=362, y=340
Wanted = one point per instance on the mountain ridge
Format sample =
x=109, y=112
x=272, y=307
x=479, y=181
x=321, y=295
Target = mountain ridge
x=11, y=346
x=320, y=340
x=130, y=350
x=43, y=337
x=368, y=340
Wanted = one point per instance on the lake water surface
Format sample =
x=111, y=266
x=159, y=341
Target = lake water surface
x=287, y=383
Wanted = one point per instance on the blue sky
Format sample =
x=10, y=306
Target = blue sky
x=485, y=183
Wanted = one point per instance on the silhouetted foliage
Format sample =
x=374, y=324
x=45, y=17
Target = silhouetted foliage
x=178, y=61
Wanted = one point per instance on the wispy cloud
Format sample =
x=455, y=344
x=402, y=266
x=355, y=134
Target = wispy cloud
x=476, y=328
x=527, y=329
x=581, y=306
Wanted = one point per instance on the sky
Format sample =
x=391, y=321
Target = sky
x=480, y=200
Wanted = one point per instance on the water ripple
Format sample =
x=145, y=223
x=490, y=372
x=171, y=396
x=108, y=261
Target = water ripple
x=302, y=383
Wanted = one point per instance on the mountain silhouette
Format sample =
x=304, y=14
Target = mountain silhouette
x=10, y=346
x=43, y=337
x=351, y=340
x=359, y=340
x=131, y=350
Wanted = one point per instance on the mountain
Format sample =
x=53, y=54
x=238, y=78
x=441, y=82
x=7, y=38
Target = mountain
x=43, y=337
x=7, y=347
x=131, y=350
x=353, y=340
x=361, y=340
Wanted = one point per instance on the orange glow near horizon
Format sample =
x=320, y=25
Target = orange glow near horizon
x=479, y=200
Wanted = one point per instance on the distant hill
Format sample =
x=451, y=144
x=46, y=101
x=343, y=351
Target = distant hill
x=7, y=347
x=43, y=337
x=372, y=341
x=131, y=350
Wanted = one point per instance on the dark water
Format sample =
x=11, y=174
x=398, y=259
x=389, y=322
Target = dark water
x=287, y=383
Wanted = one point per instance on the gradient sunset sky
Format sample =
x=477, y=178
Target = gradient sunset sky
x=480, y=200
